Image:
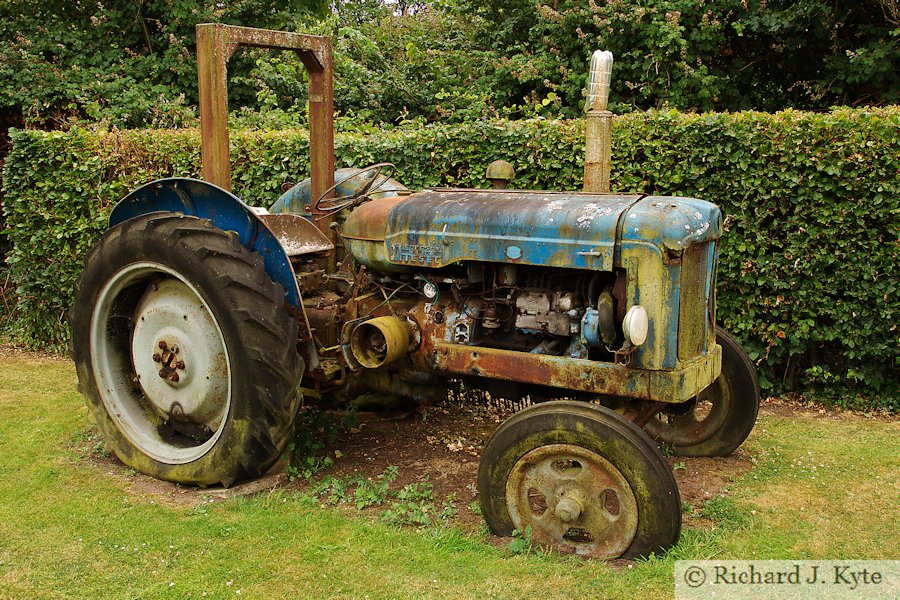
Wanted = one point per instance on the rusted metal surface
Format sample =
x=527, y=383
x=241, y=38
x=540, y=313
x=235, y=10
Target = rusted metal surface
x=692, y=310
x=594, y=232
x=212, y=56
x=693, y=422
x=575, y=500
x=598, y=147
x=215, y=45
x=370, y=179
x=649, y=232
x=598, y=124
x=296, y=235
x=380, y=341
x=169, y=361
x=578, y=374
x=298, y=198
x=673, y=223
x=500, y=173
x=435, y=228
x=641, y=413
x=440, y=227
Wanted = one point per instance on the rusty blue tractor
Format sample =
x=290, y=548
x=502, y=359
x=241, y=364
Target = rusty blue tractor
x=201, y=322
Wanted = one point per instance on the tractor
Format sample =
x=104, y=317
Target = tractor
x=201, y=323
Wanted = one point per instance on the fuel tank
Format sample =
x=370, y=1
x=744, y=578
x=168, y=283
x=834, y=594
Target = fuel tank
x=439, y=227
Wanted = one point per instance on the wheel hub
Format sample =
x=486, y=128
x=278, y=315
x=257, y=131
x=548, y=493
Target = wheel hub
x=171, y=364
x=171, y=324
x=575, y=500
x=568, y=509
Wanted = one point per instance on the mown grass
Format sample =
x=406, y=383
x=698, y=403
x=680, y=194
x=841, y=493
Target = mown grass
x=820, y=488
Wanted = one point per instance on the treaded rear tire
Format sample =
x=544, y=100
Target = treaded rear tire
x=248, y=308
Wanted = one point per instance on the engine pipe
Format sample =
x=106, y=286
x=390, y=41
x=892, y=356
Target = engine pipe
x=598, y=124
x=380, y=341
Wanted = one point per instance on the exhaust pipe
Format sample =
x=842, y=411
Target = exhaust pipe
x=380, y=341
x=598, y=124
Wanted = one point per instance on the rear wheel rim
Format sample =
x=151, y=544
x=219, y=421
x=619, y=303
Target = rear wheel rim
x=160, y=363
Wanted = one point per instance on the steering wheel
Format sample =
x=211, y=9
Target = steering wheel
x=333, y=205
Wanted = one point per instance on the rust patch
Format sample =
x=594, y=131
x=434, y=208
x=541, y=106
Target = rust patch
x=215, y=45
x=541, y=369
x=296, y=235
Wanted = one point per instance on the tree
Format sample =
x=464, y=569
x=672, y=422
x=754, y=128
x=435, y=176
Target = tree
x=703, y=54
x=131, y=63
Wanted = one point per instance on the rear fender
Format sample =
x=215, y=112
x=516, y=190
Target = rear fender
x=274, y=237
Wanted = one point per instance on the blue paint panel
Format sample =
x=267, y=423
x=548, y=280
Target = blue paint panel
x=672, y=222
x=224, y=209
x=561, y=229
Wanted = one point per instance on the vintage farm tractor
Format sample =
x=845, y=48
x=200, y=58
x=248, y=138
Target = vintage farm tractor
x=201, y=322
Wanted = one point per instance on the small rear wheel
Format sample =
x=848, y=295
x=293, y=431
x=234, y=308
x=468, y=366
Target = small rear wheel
x=585, y=479
x=185, y=351
x=721, y=417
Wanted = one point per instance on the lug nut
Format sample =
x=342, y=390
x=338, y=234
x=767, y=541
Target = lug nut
x=174, y=377
x=163, y=345
x=179, y=364
x=157, y=357
x=162, y=373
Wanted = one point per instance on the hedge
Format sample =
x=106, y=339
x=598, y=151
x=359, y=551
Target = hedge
x=807, y=278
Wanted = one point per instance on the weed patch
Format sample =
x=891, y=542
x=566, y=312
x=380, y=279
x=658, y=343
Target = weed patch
x=413, y=504
x=316, y=432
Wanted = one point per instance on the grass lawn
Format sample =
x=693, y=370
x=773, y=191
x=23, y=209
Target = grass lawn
x=821, y=486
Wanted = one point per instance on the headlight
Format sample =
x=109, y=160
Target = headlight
x=636, y=325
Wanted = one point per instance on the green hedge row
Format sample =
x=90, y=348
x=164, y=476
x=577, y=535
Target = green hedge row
x=807, y=280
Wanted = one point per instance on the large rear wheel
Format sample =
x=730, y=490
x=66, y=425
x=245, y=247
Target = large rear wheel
x=185, y=351
x=585, y=479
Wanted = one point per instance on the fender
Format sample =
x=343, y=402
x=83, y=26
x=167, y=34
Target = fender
x=274, y=237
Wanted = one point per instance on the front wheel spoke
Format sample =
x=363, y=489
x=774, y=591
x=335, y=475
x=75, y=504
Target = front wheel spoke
x=548, y=491
x=593, y=477
x=596, y=521
x=548, y=527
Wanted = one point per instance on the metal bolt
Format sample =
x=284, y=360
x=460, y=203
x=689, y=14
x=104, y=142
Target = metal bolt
x=162, y=373
x=179, y=364
x=163, y=345
x=157, y=357
x=568, y=509
x=174, y=377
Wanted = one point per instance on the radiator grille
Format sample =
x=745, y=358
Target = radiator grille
x=693, y=311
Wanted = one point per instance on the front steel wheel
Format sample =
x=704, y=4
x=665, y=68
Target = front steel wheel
x=721, y=417
x=185, y=351
x=585, y=479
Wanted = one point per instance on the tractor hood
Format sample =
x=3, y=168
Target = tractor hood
x=435, y=228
